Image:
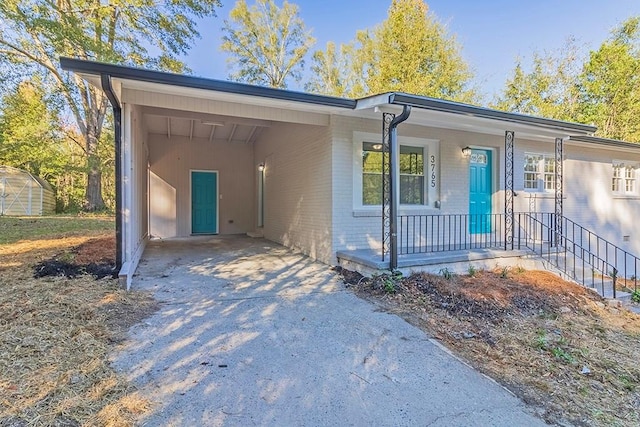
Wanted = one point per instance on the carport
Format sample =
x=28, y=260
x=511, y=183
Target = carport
x=202, y=157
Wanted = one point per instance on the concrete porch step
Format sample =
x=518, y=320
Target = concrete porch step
x=258, y=232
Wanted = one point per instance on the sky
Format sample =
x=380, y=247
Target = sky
x=492, y=33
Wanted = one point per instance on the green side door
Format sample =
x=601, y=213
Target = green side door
x=204, y=202
x=480, y=188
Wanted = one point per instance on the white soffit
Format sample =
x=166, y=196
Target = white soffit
x=461, y=122
x=226, y=96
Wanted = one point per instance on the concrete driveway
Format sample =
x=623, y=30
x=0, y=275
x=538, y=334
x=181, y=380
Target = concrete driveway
x=250, y=333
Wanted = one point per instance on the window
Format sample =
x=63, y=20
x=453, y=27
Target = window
x=412, y=188
x=539, y=172
x=623, y=179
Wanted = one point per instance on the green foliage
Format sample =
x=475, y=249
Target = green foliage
x=447, y=274
x=30, y=135
x=409, y=52
x=390, y=283
x=472, y=271
x=563, y=355
x=335, y=72
x=610, y=84
x=628, y=382
x=635, y=296
x=558, y=346
x=603, y=90
x=33, y=138
x=36, y=33
x=549, y=89
x=267, y=44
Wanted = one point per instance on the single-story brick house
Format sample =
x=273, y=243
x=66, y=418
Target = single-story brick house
x=394, y=173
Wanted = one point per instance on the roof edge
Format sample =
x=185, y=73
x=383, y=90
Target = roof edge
x=399, y=98
x=162, y=77
x=605, y=141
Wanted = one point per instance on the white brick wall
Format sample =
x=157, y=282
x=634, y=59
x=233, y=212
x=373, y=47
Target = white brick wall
x=172, y=159
x=589, y=199
x=354, y=231
x=298, y=187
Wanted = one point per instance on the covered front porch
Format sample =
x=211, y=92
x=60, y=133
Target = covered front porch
x=488, y=223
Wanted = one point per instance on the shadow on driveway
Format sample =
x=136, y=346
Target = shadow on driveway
x=251, y=333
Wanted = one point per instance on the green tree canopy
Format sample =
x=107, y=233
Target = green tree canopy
x=549, y=89
x=30, y=136
x=36, y=33
x=267, y=44
x=409, y=52
x=610, y=84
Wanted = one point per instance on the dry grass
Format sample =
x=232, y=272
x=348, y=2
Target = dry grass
x=56, y=333
x=555, y=344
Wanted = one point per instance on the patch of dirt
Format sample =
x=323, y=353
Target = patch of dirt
x=95, y=257
x=557, y=345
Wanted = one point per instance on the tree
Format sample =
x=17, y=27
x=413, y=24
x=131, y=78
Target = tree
x=337, y=72
x=30, y=137
x=409, y=52
x=327, y=69
x=550, y=89
x=610, y=84
x=33, y=137
x=35, y=33
x=267, y=44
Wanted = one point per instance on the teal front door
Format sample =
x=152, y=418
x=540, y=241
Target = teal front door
x=204, y=202
x=480, y=191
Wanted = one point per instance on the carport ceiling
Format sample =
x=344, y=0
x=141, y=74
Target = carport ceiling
x=172, y=123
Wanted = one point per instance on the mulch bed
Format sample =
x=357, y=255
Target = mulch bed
x=94, y=257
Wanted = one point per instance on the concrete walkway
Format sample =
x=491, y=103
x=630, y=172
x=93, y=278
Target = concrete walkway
x=250, y=333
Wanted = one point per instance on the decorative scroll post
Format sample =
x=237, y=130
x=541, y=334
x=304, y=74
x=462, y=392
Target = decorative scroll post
x=508, y=189
x=387, y=118
x=559, y=192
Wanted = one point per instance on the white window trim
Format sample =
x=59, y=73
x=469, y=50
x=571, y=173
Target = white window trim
x=431, y=168
x=540, y=189
x=622, y=192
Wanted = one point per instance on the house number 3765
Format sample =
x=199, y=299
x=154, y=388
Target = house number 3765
x=432, y=168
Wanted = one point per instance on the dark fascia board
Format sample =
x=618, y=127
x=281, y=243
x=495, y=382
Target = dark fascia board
x=150, y=76
x=472, y=110
x=605, y=141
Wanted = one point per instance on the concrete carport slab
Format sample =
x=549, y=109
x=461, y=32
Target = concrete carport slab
x=251, y=333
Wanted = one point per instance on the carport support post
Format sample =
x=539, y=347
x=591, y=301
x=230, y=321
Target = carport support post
x=559, y=193
x=105, y=79
x=387, y=118
x=394, y=187
x=508, y=189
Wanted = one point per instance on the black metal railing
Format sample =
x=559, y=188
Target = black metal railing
x=442, y=233
x=577, y=252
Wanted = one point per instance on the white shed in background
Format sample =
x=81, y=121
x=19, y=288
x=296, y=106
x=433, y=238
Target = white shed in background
x=24, y=194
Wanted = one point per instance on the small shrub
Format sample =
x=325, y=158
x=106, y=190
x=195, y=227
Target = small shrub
x=446, y=273
x=627, y=383
x=541, y=340
x=563, y=355
x=504, y=273
x=390, y=282
x=472, y=271
x=635, y=296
